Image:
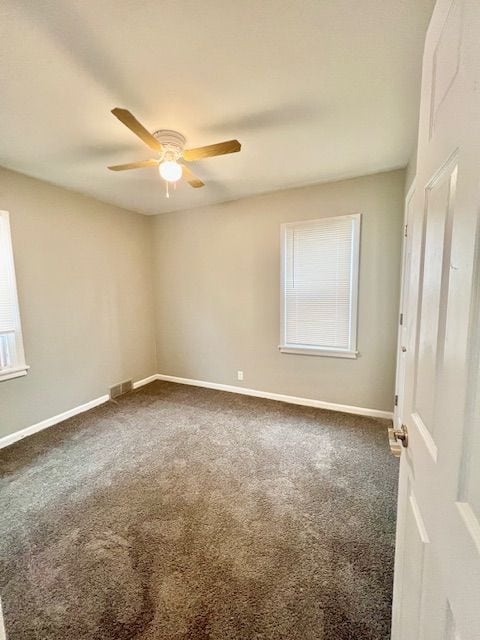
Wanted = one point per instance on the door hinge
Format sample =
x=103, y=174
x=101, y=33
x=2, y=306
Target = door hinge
x=396, y=400
x=401, y=318
x=405, y=233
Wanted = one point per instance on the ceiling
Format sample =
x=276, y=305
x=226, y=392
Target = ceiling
x=315, y=90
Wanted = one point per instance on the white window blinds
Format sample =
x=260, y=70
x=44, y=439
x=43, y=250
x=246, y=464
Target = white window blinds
x=319, y=286
x=12, y=359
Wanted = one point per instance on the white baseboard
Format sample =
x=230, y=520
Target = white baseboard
x=3, y=634
x=49, y=422
x=141, y=383
x=306, y=402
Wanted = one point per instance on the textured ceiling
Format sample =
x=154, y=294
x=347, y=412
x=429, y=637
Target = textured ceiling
x=314, y=90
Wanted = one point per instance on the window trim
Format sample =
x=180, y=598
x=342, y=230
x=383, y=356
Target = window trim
x=310, y=350
x=20, y=368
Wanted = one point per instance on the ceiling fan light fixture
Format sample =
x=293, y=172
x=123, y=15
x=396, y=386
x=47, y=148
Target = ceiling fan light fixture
x=170, y=170
x=170, y=147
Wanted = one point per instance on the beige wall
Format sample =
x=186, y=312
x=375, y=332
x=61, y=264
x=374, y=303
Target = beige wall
x=85, y=289
x=217, y=284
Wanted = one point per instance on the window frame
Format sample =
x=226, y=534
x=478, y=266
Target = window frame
x=19, y=368
x=333, y=352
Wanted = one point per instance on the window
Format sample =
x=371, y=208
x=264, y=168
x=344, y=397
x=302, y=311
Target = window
x=12, y=359
x=319, y=286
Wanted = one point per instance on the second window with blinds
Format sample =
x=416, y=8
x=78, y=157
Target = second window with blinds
x=12, y=357
x=319, y=288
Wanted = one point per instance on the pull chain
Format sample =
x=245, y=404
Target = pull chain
x=167, y=191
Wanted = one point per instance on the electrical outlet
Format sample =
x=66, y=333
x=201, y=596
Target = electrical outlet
x=239, y=375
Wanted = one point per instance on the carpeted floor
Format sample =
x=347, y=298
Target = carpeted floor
x=185, y=513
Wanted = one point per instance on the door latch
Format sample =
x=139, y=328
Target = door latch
x=395, y=437
x=402, y=435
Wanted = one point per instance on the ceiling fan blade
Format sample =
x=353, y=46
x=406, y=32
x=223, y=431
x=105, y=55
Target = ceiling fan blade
x=138, y=129
x=134, y=165
x=191, y=178
x=219, y=149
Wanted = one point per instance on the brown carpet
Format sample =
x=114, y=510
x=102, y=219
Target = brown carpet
x=185, y=513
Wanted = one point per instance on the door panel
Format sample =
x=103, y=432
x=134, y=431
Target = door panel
x=416, y=539
x=439, y=206
x=446, y=59
x=470, y=469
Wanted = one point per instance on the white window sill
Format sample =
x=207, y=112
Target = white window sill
x=317, y=351
x=17, y=372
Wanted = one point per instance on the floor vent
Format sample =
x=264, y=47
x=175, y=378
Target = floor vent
x=127, y=386
x=120, y=389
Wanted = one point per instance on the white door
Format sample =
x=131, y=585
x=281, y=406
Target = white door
x=437, y=564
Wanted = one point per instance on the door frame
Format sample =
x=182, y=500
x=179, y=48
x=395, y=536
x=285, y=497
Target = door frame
x=399, y=398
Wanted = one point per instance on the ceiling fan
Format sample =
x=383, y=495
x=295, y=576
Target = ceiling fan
x=171, y=153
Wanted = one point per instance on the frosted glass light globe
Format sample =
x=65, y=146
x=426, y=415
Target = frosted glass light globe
x=170, y=171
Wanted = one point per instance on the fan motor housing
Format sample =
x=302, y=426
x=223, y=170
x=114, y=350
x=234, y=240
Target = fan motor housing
x=171, y=141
